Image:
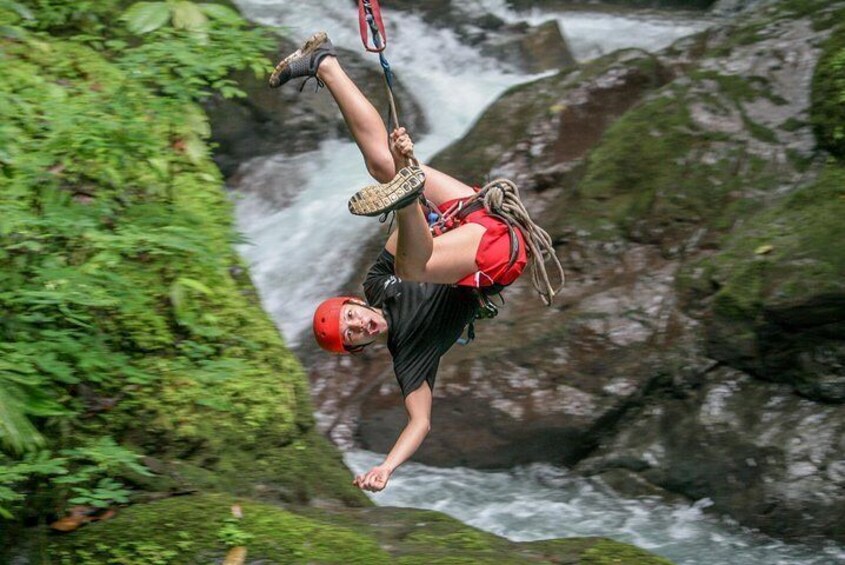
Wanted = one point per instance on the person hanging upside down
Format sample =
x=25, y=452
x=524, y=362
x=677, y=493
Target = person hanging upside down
x=422, y=291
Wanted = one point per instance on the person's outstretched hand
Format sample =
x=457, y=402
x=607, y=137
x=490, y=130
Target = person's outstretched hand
x=373, y=480
x=401, y=146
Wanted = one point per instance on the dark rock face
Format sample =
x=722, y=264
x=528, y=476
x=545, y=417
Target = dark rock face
x=563, y=116
x=756, y=448
x=697, y=348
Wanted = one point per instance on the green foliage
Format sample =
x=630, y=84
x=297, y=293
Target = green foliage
x=91, y=469
x=87, y=471
x=195, y=53
x=119, y=313
x=231, y=534
x=12, y=473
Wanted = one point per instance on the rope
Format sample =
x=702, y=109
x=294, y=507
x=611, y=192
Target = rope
x=501, y=199
x=370, y=15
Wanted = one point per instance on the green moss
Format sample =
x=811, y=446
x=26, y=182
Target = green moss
x=658, y=177
x=647, y=166
x=739, y=88
x=827, y=112
x=802, y=262
x=608, y=552
x=823, y=13
x=598, y=551
x=782, y=259
x=308, y=468
x=793, y=124
x=466, y=539
x=195, y=529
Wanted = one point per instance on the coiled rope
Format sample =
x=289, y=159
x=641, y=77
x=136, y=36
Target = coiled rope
x=501, y=199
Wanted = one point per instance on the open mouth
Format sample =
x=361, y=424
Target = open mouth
x=372, y=327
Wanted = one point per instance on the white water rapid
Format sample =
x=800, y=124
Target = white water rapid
x=318, y=240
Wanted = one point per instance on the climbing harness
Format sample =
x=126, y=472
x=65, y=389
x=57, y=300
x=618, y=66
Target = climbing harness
x=500, y=198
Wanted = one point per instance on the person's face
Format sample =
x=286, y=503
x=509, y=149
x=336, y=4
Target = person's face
x=360, y=325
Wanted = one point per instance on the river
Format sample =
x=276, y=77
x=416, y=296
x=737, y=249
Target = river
x=315, y=237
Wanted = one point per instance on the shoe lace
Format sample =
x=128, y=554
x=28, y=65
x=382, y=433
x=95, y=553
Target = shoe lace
x=320, y=84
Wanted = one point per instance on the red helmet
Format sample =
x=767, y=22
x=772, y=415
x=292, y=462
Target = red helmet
x=327, y=323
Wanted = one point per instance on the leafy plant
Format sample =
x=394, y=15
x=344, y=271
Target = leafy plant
x=232, y=535
x=104, y=494
x=90, y=471
x=14, y=472
x=117, y=306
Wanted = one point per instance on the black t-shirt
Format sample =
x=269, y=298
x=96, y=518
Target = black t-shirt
x=423, y=319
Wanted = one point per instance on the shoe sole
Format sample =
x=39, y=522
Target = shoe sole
x=307, y=48
x=377, y=199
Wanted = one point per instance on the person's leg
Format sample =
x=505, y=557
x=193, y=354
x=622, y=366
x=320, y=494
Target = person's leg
x=445, y=259
x=370, y=135
x=361, y=118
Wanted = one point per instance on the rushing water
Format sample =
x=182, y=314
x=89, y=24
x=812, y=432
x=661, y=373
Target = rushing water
x=315, y=237
x=541, y=501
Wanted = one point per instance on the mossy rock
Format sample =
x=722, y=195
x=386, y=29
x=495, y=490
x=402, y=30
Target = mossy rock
x=199, y=529
x=828, y=96
x=661, y=177
x=774, y=296
x=519, y=111
x=559, y=4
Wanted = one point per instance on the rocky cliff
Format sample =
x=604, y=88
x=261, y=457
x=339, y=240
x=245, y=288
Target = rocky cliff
x=697, y=347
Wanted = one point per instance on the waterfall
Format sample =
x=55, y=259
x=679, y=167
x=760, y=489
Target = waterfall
x=303, y=252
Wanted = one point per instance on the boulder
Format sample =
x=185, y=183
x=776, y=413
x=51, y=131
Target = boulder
x=773, y=458
x=605, y=4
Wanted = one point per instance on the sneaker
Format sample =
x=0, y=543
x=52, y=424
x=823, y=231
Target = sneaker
x=304, y=61
x=377, y=199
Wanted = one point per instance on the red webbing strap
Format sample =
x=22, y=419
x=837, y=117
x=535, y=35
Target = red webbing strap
x=378, y=44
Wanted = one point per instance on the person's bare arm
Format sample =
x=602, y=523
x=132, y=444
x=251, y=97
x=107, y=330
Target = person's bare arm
x=418, y=406
x=401, y=147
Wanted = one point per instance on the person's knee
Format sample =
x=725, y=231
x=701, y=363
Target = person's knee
x=382, y=169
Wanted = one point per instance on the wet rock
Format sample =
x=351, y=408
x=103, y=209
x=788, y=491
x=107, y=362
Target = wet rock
x=550, y=124
x=309, y=535
x=529, y=49
x=770, y=456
